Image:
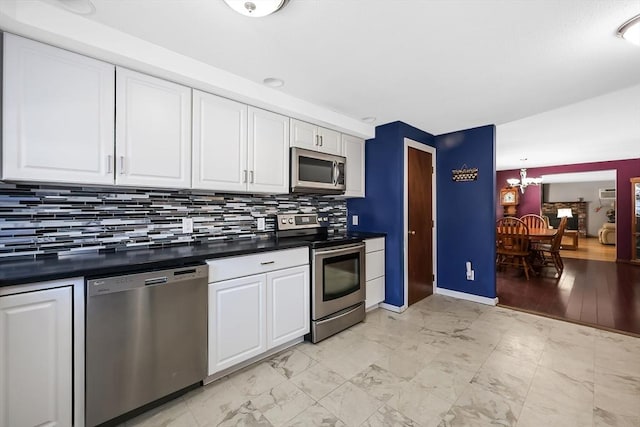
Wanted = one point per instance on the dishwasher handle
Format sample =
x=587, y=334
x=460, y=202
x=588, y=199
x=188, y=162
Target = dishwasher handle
x=156, y=281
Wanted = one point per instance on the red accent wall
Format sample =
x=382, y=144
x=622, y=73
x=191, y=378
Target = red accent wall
x=530, y=201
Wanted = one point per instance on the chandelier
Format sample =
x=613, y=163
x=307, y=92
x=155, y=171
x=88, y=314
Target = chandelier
x=523, y=182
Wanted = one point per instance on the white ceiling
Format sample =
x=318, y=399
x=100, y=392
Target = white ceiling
x=438, y=65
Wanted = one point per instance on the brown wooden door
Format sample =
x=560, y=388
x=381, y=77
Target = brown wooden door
x=420, y=257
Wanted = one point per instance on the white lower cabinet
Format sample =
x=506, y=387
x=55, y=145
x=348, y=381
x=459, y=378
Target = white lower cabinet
x=287, y=305
x=256, y=302
x=237, y=330
x=374, y=271
x=36, y=359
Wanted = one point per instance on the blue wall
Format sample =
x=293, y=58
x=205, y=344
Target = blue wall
x=383, y=208
x=466, y=211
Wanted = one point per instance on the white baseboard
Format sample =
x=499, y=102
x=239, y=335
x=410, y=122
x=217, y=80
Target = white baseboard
x=217, y=375
x=466, y=296
x=393, y=308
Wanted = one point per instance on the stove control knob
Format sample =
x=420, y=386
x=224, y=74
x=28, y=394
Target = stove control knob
x=290, y=220
x=284, y=220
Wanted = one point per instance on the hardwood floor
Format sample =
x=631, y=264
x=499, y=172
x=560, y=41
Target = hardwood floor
x=591, y=248
x=599, y=293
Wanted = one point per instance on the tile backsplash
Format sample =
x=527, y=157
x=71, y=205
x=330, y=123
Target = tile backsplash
x=40, y=220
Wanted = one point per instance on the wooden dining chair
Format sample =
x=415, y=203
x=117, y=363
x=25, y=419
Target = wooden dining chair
x=512, y=244
x=549, y=253
x=534, y=221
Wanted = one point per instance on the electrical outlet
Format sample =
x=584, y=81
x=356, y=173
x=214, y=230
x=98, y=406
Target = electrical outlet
x=261, y=224
x=354, y=219
x=187, y=225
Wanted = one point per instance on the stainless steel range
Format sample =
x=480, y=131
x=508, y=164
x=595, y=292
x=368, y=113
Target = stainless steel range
x=337, y=273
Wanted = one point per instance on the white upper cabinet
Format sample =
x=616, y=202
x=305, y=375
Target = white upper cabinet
x=312, y=137
x=58, y=113
x=238, y=148
x=153, y=131
x=219, y=143
x=268, y=152
x=353, y=150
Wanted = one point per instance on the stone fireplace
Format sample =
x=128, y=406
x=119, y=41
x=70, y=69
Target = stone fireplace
x=578, y=210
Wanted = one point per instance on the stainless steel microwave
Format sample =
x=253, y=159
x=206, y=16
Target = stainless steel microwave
x=315, y=172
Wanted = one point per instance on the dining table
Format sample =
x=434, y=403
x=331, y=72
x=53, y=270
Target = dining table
x=542, y=234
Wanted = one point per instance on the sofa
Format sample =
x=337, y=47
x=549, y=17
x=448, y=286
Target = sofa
x=607, y=233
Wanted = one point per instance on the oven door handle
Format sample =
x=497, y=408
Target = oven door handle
x=343, y=249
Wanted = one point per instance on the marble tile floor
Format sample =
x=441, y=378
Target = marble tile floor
x=443, y=362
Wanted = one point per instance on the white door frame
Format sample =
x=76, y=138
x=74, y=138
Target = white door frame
x=422, y=147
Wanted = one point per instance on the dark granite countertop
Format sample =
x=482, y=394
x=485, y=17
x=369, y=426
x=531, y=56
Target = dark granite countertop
x=366, y=234
x=16, y=272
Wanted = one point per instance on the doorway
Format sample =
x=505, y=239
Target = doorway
x=419, y=277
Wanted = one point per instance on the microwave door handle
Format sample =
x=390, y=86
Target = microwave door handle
x=335, y=173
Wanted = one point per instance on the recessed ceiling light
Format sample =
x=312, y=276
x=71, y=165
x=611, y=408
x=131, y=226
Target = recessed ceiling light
x=256, y=8
x=273, y=82
x=81, y=7
x=368, y=119
x=630, y=30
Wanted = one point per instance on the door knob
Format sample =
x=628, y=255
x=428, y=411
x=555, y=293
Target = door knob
x=412, y=232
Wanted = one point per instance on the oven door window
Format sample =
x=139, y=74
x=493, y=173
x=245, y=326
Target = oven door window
x=341, y=276
x=315, y=170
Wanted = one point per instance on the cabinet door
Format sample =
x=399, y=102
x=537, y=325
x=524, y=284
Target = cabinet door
x=268, y=153
x=36, y=354
x=237, y=327
x=330, y=141
x=287, y=305
x=153, y=131
x=219, y=143
x=57, y=111
x=353, y=150
x=304, y=135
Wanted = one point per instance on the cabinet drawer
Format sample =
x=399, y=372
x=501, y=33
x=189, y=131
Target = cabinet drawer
x=246, y=265
x=374, y=265
x=376, y=244
x=375, y=292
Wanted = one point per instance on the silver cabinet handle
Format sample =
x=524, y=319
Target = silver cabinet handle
x=267, y=262
x=244, y=176
x=412, y=232
x=122, y=165
x=251, y=177
x=321, y=140
x=318, y=140
x=109, y=164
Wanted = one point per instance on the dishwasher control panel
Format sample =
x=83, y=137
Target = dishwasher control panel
x=127, y=282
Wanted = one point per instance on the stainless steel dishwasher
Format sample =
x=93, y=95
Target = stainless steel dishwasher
x=146, y=337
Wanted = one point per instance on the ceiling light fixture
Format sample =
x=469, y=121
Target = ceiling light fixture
x=81, y=7
x=630, y=30
x=256, y=8
x=524, y=181
x=369, y=119
x=273, y=82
